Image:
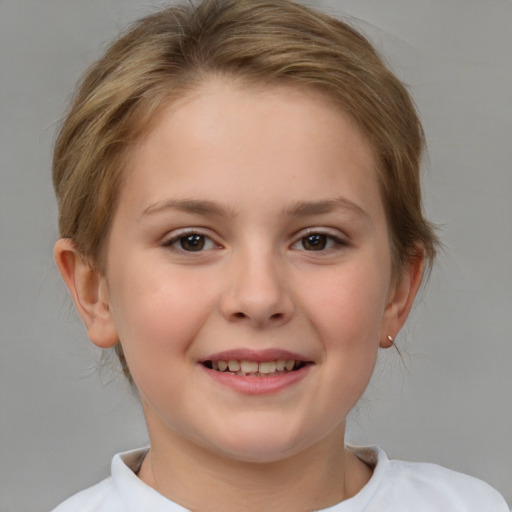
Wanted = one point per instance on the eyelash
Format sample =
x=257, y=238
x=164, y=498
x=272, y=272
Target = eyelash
x=326, y=241
x=184, y=235
x=335, y=242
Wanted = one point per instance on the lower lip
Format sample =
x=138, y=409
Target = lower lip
x=258, y=385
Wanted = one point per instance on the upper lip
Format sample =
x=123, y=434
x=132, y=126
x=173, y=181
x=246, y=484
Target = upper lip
x=244, y=354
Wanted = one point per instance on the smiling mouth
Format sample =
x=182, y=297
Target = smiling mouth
x=246, y=368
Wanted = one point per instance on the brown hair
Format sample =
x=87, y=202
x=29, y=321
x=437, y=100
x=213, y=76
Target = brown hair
x=165, y=55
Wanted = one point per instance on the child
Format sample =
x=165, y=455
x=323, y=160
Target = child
x=241, y=219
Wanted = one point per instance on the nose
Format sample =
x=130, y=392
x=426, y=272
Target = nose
x=258, y=293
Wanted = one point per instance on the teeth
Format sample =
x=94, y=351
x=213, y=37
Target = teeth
x=234, y=366
x=268, y=367
x=249, y=366
x=245, y=367
x=280, y=365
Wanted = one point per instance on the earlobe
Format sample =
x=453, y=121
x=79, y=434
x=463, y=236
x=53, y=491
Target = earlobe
x=89, y=291
x=401, y=300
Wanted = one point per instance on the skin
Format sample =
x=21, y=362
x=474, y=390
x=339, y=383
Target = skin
x=265, y=169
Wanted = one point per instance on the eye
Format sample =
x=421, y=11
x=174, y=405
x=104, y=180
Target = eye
x=318, y=241
x=191, y=242
x=314, y=242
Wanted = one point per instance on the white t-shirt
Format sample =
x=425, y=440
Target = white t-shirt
x=395, y=486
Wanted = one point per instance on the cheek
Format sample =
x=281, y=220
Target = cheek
x=157, y=315
x=347, y=305
x=346, y=313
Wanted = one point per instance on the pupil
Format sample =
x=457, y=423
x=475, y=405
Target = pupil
x=314, y=242
x=192, y=242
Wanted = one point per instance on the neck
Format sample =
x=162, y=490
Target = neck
x=197, y=479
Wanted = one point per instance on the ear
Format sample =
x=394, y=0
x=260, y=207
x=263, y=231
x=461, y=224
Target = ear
x=89, y=291
x=401, y=299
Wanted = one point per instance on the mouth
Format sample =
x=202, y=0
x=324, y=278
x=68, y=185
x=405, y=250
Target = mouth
x=250, y=368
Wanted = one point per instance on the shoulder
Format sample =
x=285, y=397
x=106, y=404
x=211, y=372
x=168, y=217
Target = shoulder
x=123, y=491
x=446, y=488
x=109, y=495
x=398, y=485
x=98, y=498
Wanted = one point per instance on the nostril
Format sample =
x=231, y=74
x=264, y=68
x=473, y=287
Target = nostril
x=240, y=315
x=276, y=316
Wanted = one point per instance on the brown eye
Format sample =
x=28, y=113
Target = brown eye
x=192, y=243
x=314, y=242
x=319, y=241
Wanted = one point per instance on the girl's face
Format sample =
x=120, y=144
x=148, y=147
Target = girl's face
x=250, y=232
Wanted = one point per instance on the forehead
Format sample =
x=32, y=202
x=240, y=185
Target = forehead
x=229, y=140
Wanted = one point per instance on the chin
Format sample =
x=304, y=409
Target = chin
x=257, y=444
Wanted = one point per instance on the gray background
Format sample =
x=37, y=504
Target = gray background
x=450, y=402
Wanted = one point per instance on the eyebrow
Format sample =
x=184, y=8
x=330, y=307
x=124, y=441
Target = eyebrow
x=305, y=208
x=298, y=209
x=195, y=206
